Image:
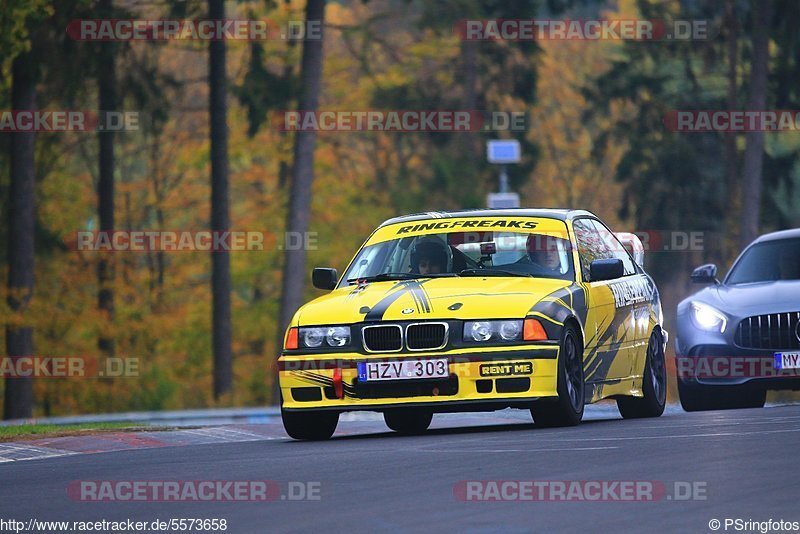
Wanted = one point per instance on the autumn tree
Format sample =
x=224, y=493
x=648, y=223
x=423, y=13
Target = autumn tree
x=25, y=71
x=107, y=96
x=754, y=150
x=220, y=211
x=297, y=221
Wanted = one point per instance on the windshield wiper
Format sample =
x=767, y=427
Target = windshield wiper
x=384, y=276
x=491, y=272
x=396, y=276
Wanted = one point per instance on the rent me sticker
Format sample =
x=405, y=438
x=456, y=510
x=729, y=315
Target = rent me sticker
x=506, y=369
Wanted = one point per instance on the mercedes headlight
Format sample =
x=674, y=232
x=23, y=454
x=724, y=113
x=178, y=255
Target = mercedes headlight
x=708, y=318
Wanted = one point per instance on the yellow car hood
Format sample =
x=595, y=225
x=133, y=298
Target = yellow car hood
x=429, y=298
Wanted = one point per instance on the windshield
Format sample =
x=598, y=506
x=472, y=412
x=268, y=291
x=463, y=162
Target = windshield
x=464, y=254
x=768, y=261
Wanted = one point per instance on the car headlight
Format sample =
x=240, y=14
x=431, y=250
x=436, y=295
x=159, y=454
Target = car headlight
x=338, y=336
x=332, y=336
x=510, y=330
x=312, y=337
x=708, y=318
x=480, y=331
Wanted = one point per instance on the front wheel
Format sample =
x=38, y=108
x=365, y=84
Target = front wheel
x=408, y=421
x=310, y=425
x=567, y=408
x=654, y=384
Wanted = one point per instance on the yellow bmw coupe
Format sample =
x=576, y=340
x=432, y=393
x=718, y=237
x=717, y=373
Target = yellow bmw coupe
x=539, y=309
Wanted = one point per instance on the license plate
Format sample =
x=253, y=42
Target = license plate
x=403, y=370
x=787, y=360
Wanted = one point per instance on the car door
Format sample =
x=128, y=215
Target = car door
x=631, y=301
x=607, y=330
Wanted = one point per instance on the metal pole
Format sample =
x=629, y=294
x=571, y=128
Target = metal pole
x=503, y=179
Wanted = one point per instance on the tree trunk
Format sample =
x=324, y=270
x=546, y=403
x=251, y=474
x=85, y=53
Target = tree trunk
x=107, y=95
x=284, y=169
x=294, y=267
x=21, y=226
x=220, y=215
x=754, y=149
x=733, y=198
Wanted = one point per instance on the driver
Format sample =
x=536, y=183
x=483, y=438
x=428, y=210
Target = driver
x=429, y=257
x=543, y=251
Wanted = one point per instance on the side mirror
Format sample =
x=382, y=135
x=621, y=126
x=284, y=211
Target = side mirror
x=324, y=278
x=610, y=269
x=705, y=274
x=633, y=245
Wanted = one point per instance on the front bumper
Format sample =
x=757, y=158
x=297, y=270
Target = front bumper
x=479, y=378
x=714, y=359
x=710, y=359
x=723, y=365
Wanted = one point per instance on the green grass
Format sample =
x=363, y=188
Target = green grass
x=26, y=432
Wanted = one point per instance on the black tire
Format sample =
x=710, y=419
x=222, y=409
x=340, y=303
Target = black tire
x=654, y=384
x=698, y=398
x=408, y=421
x=310, y=425
x=695, y=398
x=567, y=408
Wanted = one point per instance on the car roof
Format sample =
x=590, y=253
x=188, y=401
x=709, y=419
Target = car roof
x=783, y=234
x=560, y=214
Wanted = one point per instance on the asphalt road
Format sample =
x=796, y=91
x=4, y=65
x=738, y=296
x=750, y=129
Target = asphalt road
x=741, y=464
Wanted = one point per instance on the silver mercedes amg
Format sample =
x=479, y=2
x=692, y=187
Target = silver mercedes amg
x=741, y=337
